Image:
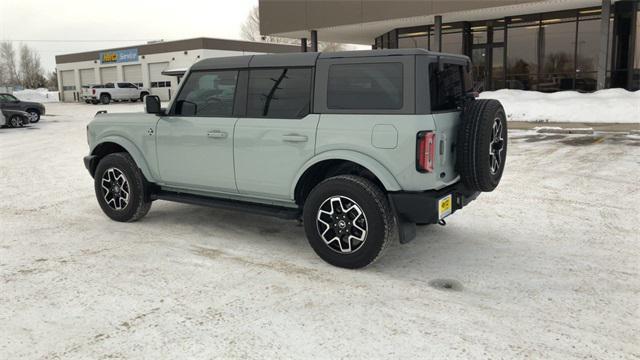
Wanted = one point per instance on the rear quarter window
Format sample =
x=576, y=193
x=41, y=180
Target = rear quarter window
x=375, y=86
x=447, y=86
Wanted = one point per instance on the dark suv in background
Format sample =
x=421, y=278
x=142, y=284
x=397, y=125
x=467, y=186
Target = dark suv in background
x=34, y=109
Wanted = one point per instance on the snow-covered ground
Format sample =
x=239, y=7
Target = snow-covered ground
x=37, y=95
x=604, y=106
x=545, y=267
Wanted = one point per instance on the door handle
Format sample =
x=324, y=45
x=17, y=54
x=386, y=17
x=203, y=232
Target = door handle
x=295, y=138
x=217, y=134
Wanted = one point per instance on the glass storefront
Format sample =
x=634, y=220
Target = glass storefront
x=545, y=52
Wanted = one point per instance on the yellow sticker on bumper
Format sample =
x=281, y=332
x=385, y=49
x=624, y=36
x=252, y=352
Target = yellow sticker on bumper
x=444, y=207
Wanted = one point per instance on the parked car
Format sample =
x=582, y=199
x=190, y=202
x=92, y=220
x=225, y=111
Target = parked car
x=108, y=92
x=362, y=146
x=87, y=93
x=14, y=118
x=33, y=109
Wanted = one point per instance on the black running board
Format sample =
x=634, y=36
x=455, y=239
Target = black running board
x=226, y=204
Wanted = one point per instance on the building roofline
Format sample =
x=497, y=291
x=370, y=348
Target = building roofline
x=365, y=32
x=183, y=45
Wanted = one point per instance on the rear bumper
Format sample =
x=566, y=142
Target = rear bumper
x=90, y=162
x=422, y=207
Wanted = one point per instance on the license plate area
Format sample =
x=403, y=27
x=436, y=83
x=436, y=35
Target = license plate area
x=445, y=206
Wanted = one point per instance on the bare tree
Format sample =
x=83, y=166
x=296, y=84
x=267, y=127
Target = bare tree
x=52, y=81
x=8, y=66
x=31, y=72
x=250, y=30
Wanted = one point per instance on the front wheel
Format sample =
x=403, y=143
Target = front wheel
x=121, y=188
x=15, y=121
x=348, y=221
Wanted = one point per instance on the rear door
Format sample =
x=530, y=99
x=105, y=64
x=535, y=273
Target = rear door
x=277, y=135
x=449, y=84
x=195, y=141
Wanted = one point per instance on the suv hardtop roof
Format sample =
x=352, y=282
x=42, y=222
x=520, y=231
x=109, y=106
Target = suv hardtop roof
x=304, y=58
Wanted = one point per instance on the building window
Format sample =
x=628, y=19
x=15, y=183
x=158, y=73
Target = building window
x=161, y=84
x=365, y=86
x=279, y=93
x=68, y=88
x=452, y=42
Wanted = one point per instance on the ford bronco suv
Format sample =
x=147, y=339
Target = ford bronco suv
x=359, y=145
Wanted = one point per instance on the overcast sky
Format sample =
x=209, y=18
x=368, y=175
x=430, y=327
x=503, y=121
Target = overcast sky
x=68, y=22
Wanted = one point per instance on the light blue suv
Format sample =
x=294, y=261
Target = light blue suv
x=361, y=145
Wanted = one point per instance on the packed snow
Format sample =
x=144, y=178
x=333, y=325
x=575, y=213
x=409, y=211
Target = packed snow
x=37, y=95
x=544, y=267
x=604, y=106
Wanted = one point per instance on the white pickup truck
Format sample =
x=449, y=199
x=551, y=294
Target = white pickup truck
x=119, y=91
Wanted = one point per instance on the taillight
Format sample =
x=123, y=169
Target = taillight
x=426, y=149
x=93, y=91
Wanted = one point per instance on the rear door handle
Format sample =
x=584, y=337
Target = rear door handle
x=217, y=134
x=295, y=138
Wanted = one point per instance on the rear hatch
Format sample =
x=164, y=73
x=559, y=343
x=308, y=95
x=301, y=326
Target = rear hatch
x=450, y=86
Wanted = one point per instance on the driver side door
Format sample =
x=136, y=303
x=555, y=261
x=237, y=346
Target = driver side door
x=195, y=140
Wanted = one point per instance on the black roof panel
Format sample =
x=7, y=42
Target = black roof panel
x=303, y=58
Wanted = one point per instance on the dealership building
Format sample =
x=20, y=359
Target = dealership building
x=547, y=45
x=149, y=65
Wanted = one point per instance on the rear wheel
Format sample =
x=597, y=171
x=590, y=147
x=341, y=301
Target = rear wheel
x=121, y=189
x=348, y=221
x=34, y=115
x=105, y=99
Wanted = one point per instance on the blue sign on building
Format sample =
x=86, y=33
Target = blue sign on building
x=118, y=56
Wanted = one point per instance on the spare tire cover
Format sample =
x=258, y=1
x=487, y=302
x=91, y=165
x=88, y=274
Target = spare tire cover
x=481, y=148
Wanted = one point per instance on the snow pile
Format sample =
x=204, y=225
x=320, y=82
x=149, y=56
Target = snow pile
x=604, y=106
x=38, y=95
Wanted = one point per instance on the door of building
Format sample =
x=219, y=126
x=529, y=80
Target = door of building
x=488, y=59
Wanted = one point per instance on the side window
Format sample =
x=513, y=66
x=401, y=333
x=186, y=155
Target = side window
x=123, y=85
x=279, y=93
x=377, y=86
x=109, y=86
x=447, y=87
x=207, y=93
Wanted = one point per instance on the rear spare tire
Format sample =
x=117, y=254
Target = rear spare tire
x=482, y=145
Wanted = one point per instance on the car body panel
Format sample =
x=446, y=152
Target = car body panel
x=354, y=133
x=196, y=152
x=269, y=152
x=134, y=132
x=20, y=104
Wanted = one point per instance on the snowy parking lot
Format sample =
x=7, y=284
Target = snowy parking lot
x=546, y=266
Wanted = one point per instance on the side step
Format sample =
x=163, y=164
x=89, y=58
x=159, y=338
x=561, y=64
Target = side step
x=254, y=208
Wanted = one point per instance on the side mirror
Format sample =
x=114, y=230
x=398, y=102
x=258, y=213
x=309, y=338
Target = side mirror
x=152, y=104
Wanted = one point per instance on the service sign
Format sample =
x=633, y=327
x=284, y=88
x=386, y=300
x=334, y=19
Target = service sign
x=118, y=56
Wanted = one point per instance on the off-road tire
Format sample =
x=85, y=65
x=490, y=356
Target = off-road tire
x=373, y=203
x=474, y=141
x=139, y=200
x=105, y=99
